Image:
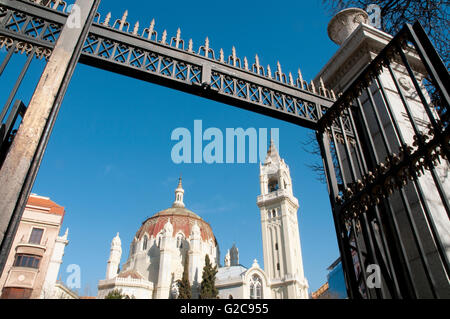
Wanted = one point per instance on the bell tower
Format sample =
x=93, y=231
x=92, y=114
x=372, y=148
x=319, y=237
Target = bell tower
x=280, y=233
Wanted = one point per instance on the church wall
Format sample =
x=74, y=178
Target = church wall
x=236, y=291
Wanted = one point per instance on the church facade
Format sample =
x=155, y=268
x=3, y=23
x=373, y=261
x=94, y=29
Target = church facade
x=177, y=238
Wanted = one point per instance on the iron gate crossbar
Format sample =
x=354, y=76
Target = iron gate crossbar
x=135, y=56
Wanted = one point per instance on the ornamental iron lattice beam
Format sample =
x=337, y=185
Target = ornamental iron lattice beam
x=149, y=56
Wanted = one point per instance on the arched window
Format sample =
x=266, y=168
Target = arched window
x=256, y=287
x=273, y=185
x=180, y=241
x=144, y=244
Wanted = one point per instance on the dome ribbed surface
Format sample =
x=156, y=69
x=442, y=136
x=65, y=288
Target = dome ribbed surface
x=182, y=220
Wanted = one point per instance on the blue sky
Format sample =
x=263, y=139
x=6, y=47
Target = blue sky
x=109, y=159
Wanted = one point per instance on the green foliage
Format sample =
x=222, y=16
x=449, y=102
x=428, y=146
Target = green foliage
x=184, y=286
x=208, y=287
x=115, y=294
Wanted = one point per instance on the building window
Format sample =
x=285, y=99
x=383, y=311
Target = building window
x=144, y=244
x=278, y=266
x=36, y=236
x=28, y=261
x=255, y=287
x=276, y=246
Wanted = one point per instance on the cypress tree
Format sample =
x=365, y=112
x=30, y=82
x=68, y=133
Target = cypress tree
x=208, y=287
x=184, y=286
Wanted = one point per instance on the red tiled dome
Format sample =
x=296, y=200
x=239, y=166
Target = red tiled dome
x=181, y=218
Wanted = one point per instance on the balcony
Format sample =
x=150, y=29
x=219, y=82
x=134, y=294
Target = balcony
x=25, y=247
x=280, y=193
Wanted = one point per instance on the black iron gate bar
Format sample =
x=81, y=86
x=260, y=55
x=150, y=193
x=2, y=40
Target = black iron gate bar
x=430, y=147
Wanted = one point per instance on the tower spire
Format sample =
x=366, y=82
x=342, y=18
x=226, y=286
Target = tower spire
x=179, y=194
x=273, y=151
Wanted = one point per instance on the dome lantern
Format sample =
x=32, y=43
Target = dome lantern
x=179, y=194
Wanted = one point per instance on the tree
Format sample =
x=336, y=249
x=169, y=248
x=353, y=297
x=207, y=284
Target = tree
x=208, y=288
x=432, y=14
x=115, y=294
x=184, y=286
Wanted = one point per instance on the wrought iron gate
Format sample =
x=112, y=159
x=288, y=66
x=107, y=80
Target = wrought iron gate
x=377, y=178
x=364, y=189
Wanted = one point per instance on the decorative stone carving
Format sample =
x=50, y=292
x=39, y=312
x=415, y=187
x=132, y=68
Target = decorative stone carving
x=116, y=242
x=168, y=229
x=404, y=83
x=345, y=22
x=195, y=232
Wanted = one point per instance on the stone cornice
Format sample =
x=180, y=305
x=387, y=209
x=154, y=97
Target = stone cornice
x=354, y=54
x=278, y=195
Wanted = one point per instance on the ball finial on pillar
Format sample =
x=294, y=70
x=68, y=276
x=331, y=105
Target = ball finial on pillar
x=345, y=22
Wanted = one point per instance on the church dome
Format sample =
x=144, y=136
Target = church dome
x=181, y=218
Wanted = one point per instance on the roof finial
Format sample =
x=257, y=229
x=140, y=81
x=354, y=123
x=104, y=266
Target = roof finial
x=179, y=193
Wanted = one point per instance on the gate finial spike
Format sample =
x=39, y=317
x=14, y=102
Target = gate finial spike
x=56, y=5
x=245, y=63
x=233, y=54
x=313, y=87
x=207, y=47
x=222, y=56
x=300, y=78
x=291, y=79
x=136, y=28
x=322, y=85
x=257, y=63
x=333, y=95
x=279, y=68
x=178, y=38
x=123, y=20
x=151, y=28
x=190, y=45
x=107, y=19
x=269, y=71
x=164, y=37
